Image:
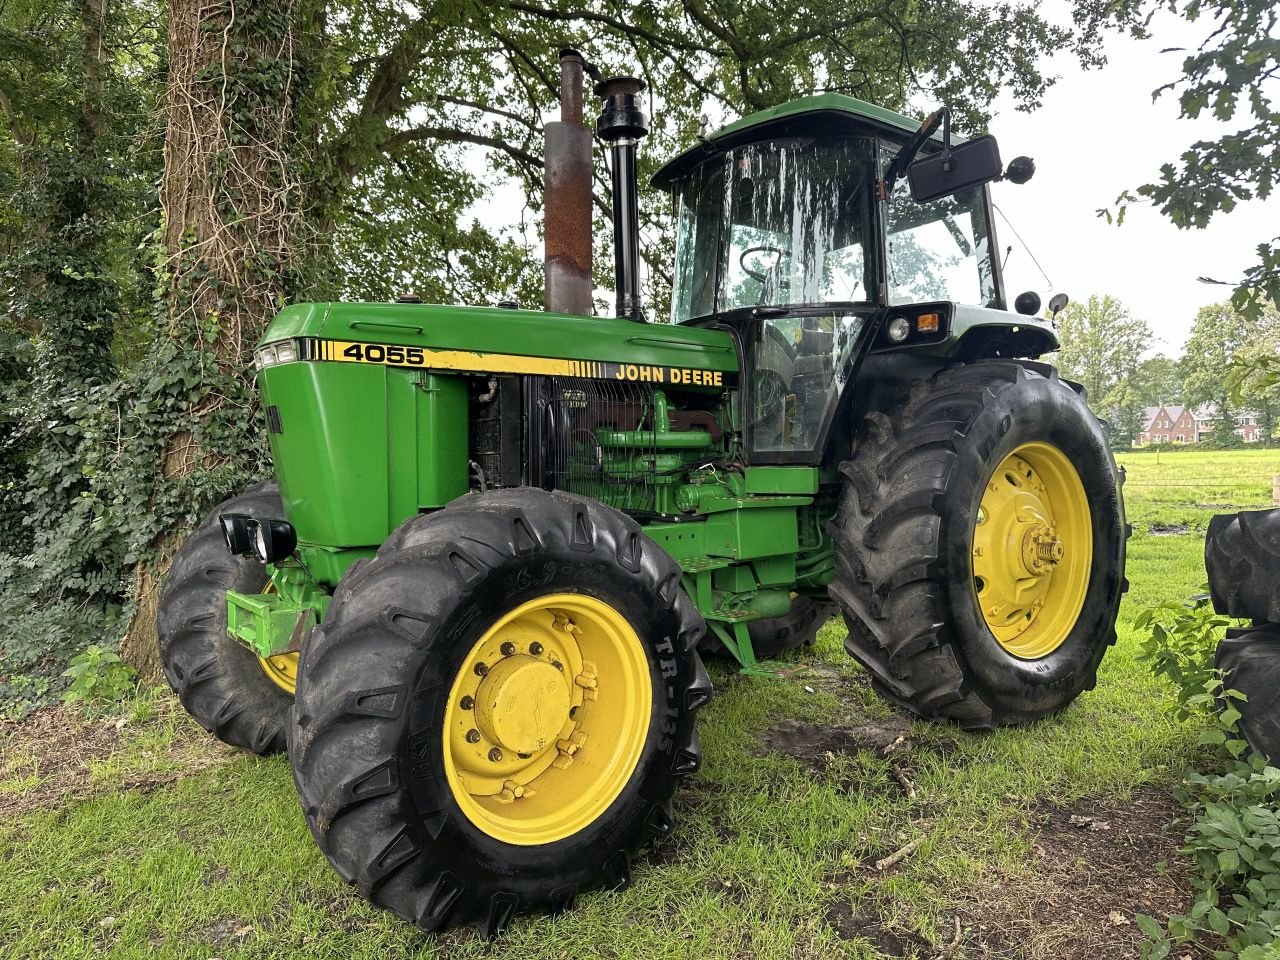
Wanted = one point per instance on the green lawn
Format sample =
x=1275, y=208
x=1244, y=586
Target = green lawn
x=172, y=847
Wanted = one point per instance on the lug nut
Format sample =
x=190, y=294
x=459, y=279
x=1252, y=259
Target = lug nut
x=473, y=736
x=468, y=703
x=495, y=754
x=481, y=669
x=557, y=664
x=535, y=648
x=508, y=648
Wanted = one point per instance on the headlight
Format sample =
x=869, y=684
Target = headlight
x=899, y=328
x=286, y=351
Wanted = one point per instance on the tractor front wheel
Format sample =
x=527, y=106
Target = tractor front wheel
x=493, y=714
x=239, y=697
x=981, y=545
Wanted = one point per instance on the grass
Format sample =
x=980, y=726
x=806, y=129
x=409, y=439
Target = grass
x=770, y=847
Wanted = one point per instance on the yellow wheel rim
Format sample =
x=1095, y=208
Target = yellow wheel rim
x=282, y=669
x=547, y=719
x=1032, y=550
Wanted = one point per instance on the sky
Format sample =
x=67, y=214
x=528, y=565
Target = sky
x=1096, y=134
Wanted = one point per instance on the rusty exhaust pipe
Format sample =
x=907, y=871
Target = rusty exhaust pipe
x=567, y=204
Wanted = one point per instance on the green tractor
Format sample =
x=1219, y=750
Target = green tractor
x=472, y=600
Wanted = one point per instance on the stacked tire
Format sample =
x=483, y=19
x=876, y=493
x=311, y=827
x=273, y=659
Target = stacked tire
x=1242, y=558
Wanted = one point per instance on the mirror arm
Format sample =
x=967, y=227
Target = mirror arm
x=948, y=164
x=903, y=160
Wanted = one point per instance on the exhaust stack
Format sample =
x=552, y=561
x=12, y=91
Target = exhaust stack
x=567, y=192
x=621, y=125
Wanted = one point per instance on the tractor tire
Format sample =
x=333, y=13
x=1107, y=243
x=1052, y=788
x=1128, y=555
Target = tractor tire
x=222, y=684
x=981, y=545
x=1250, y=659
x=796, y=629
x=1242, y=558
x=494, y=713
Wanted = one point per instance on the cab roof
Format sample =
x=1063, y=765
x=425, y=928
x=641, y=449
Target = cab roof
x=829, y=114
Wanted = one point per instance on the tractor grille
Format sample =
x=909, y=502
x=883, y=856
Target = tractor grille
x=597, y=439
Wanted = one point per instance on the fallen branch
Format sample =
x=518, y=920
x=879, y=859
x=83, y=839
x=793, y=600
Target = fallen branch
x=951, y=947
x=904, y=781
x=895, y=746
x=899, y=855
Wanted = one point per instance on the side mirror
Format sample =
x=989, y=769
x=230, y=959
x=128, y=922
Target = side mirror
x=966, y=165
x=1056, y=303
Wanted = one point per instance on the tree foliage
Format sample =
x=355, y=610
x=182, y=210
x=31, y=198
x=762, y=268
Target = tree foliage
x=1231, y=76
x=1102, y=348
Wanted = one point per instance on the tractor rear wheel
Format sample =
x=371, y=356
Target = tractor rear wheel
x=981, y=545
x=1242, y=557
x=239, y=697
x=493, y=714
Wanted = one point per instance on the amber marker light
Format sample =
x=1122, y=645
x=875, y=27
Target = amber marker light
x=928, y=322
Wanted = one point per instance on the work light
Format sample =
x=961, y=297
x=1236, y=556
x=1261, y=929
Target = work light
x=235, y=531
x=272, y=539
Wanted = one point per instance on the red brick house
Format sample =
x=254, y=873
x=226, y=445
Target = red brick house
x=1172, y=424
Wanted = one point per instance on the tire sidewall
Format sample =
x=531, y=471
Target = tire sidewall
x=1034, y=409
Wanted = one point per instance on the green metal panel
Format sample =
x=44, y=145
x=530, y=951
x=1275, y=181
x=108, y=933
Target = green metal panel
x=364, y=447
x=442, y=440
x=485, y=330
x=331, y=456
x=801, y=480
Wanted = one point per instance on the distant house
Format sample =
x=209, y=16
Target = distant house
x=1172, y=424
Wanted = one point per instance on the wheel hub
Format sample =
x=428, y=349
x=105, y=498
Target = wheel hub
x=1041, y=549
x=522, y=703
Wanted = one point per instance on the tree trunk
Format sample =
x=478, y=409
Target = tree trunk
x=234, y=230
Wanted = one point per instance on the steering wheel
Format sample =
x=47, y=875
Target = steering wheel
x=754, y=275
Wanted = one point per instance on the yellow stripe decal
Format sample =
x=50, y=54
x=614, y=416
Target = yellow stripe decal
x=469, y=361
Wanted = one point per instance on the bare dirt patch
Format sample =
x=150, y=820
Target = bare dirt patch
x=1096, y=865
x=1161, y=529
x=47, y=758
x=814, y=744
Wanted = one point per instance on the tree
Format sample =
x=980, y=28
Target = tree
x=237, y=232
x=1102, y=346
x=1225, y=340
x=1229, y=73
x=1158, y=380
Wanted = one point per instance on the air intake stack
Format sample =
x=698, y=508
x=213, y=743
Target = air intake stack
x=621, y=125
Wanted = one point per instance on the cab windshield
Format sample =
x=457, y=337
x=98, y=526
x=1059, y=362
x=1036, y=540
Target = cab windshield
x=776, y=224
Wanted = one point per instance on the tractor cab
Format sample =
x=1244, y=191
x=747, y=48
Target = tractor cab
x=798, y=227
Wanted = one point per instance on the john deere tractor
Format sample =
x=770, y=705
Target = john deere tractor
x=472, y=600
